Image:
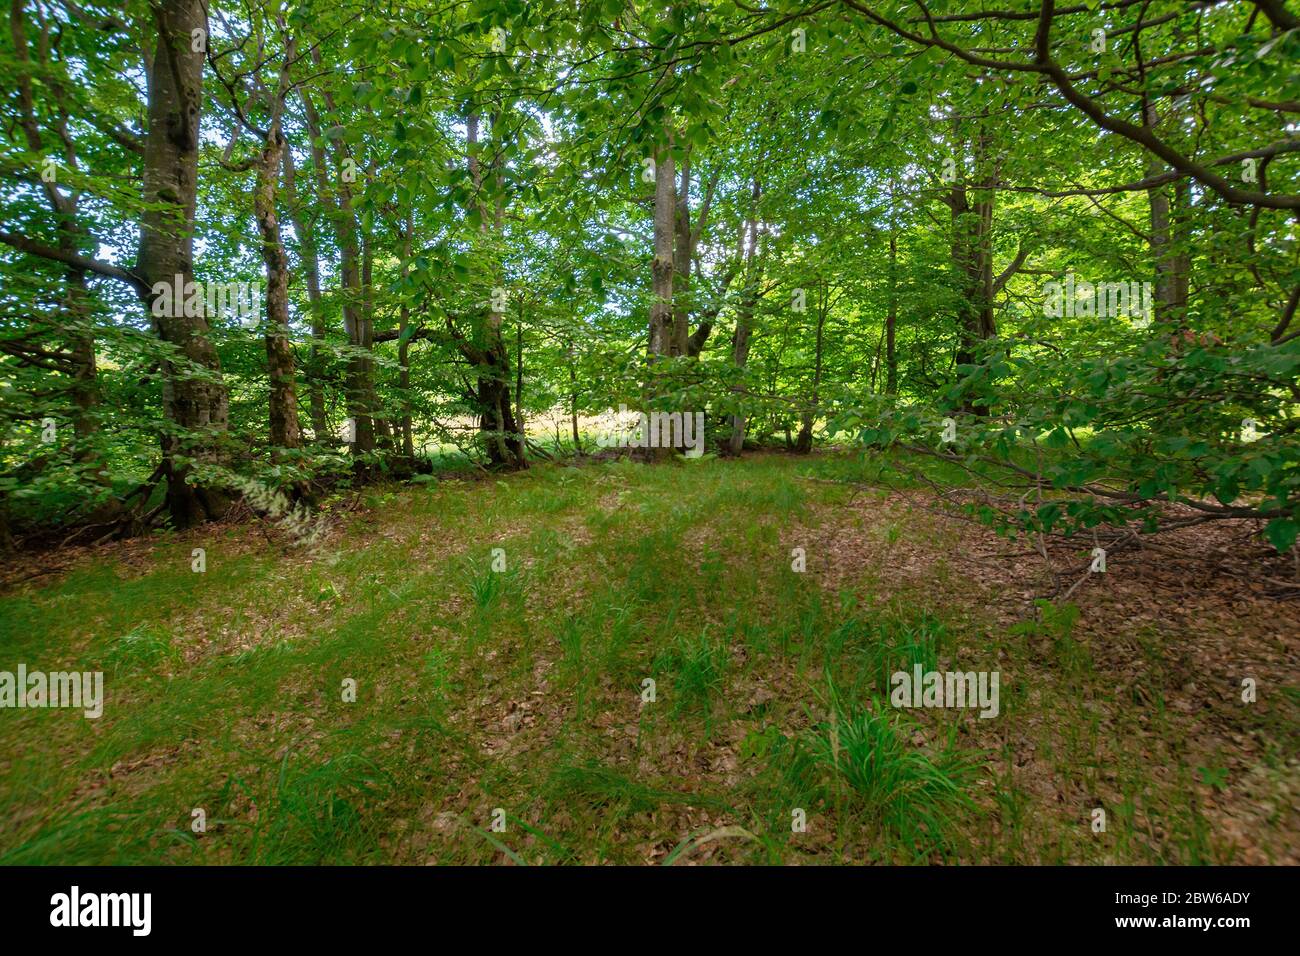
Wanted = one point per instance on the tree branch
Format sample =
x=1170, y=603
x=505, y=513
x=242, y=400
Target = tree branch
x=32, y=247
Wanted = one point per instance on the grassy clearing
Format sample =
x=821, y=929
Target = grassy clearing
x=521, y=689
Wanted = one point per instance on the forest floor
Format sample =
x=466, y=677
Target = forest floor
x=521, y=690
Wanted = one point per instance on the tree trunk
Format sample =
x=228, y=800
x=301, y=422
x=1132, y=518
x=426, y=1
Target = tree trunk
x=740, y=357
x=404, y=345
x=519, y=372
x=196, y=404
x=685, y=240
x=284, y=429
x=803, y=444
x=498, y=429
x=972, y=256
x=661, y=269
x=891, y=320
x=497, y=420
x=374, y=408
x=1171, y=261
x=682, y=261
x=306, y=231
x=573, y=404
x=891, y=325
x=665, y=210
x=740, y=339
x=357, y=384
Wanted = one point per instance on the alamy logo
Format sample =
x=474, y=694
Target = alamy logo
x=210, y=299
x=1080, y=297
x=59, y=689
x=103, y=909
x=946, y=689
x=657, y=430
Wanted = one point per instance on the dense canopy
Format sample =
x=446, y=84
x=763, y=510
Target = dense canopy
x=312, y=243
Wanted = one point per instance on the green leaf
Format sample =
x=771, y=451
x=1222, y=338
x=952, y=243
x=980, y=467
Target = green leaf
x=1281, y=533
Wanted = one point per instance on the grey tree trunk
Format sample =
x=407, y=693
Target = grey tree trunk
x=740, y=339
x=803, y=444
x=1169, y=254
x=891, y=320
x=285, y=431
x=404, y=345
x=358, y=386
x=972, y=256
x=194, y=394
x=682, y=261
x=665, y=211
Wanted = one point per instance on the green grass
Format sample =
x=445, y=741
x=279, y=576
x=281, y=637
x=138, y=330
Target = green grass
x=919, y=799
x=521, y=689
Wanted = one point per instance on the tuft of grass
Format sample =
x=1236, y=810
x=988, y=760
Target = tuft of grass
x=697, y=667
x=489, y=588
x=141, y=648
x=917, y=797
x=884, y=644
x=323, y=813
